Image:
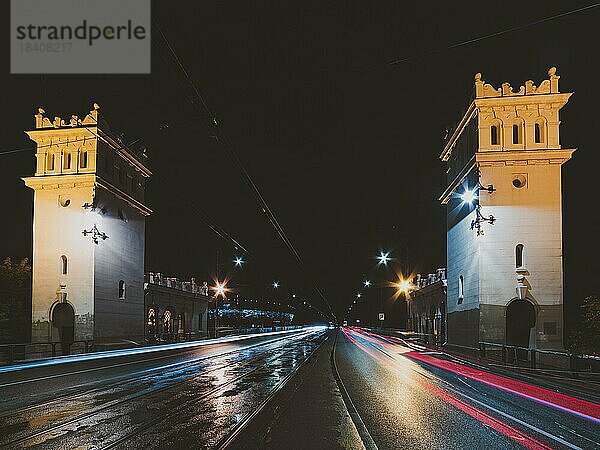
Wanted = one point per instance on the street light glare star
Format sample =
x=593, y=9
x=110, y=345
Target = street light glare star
x=238, y=261
x=220, y=289
x=384, y=258
x=275, y=284
x=359, y=295
x=367, y=283
x=468, y=196
x=404, y=285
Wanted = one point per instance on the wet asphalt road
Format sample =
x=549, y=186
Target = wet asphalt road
x=411, y=399
x=180, y=398
x=391, y=393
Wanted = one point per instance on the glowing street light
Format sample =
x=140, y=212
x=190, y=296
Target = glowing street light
x=469, y=196
x=384, y=258
x=275, y=284
x=238, y=261
x=220, y=289
x=404, y=286
x=359, y=295
x=367, y=283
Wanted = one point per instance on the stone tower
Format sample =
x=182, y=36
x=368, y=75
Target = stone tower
x=88, y=231
x=504, y=217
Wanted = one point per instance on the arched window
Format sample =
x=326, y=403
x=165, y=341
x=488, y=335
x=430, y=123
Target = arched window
x=167, y=322
x=537, y=133
x=151, y=323
x=516, y=134
x=519, y=256
x=63, y=265
x=84, y=159
x=68, y=161
x=50, y=162
x=121, y=289
x=494, y=135
x=539, y=130
x=461, y=288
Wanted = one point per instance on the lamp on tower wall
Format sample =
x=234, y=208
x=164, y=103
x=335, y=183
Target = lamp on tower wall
x=522, y=287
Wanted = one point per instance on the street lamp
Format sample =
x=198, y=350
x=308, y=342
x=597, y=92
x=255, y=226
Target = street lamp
x=367, y=283
x=404, y=286
x=275, y=284
x=238, y=261
x=220, y=290
x=471, y=196
x=359, y=295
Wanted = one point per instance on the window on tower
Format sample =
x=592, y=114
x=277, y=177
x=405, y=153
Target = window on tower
x=516, y=134
x=84, y=159
x=461, y=289
x=519, y=256
x=68, y=161
x=121, y=290
x=50, y=162
x=494, y=135
x=63, y=265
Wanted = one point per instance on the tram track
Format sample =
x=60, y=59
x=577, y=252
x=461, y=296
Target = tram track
x=229, y=439
x=153, y=390
x=226, y=440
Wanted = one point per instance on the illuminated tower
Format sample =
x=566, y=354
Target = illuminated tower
x=88, y=231
x=504, y=217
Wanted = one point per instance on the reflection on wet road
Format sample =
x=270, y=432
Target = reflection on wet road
x=413, y=398
x=196, y=398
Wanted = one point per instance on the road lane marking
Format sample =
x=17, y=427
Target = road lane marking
x=449, y=387
x=503, y=428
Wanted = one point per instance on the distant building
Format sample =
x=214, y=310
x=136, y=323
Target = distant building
x=175, y=309
x=504, y=217
x=427, y=307
x=88, y=231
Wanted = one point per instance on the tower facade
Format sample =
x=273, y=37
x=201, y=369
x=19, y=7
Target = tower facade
x=88, y=231
x=504, y=217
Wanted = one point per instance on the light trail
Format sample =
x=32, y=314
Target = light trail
x=580, y=408
x=571, y=405
x=144, y=350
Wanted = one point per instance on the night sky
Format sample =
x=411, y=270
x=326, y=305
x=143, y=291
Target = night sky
x=343, y=145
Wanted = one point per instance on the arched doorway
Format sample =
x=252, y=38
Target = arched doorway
x=520, y=319
x=63, y=318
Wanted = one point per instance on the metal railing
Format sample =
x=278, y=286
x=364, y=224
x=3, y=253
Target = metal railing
x=536, y=358
x=511, y=355
x=14, y=352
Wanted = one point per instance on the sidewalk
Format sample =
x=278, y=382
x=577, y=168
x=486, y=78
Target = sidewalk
x=308, y=413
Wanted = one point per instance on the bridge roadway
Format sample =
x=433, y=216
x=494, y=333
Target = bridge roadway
x=308, y=388
x=194, y=394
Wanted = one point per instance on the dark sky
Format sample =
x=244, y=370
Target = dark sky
x=343, y=146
